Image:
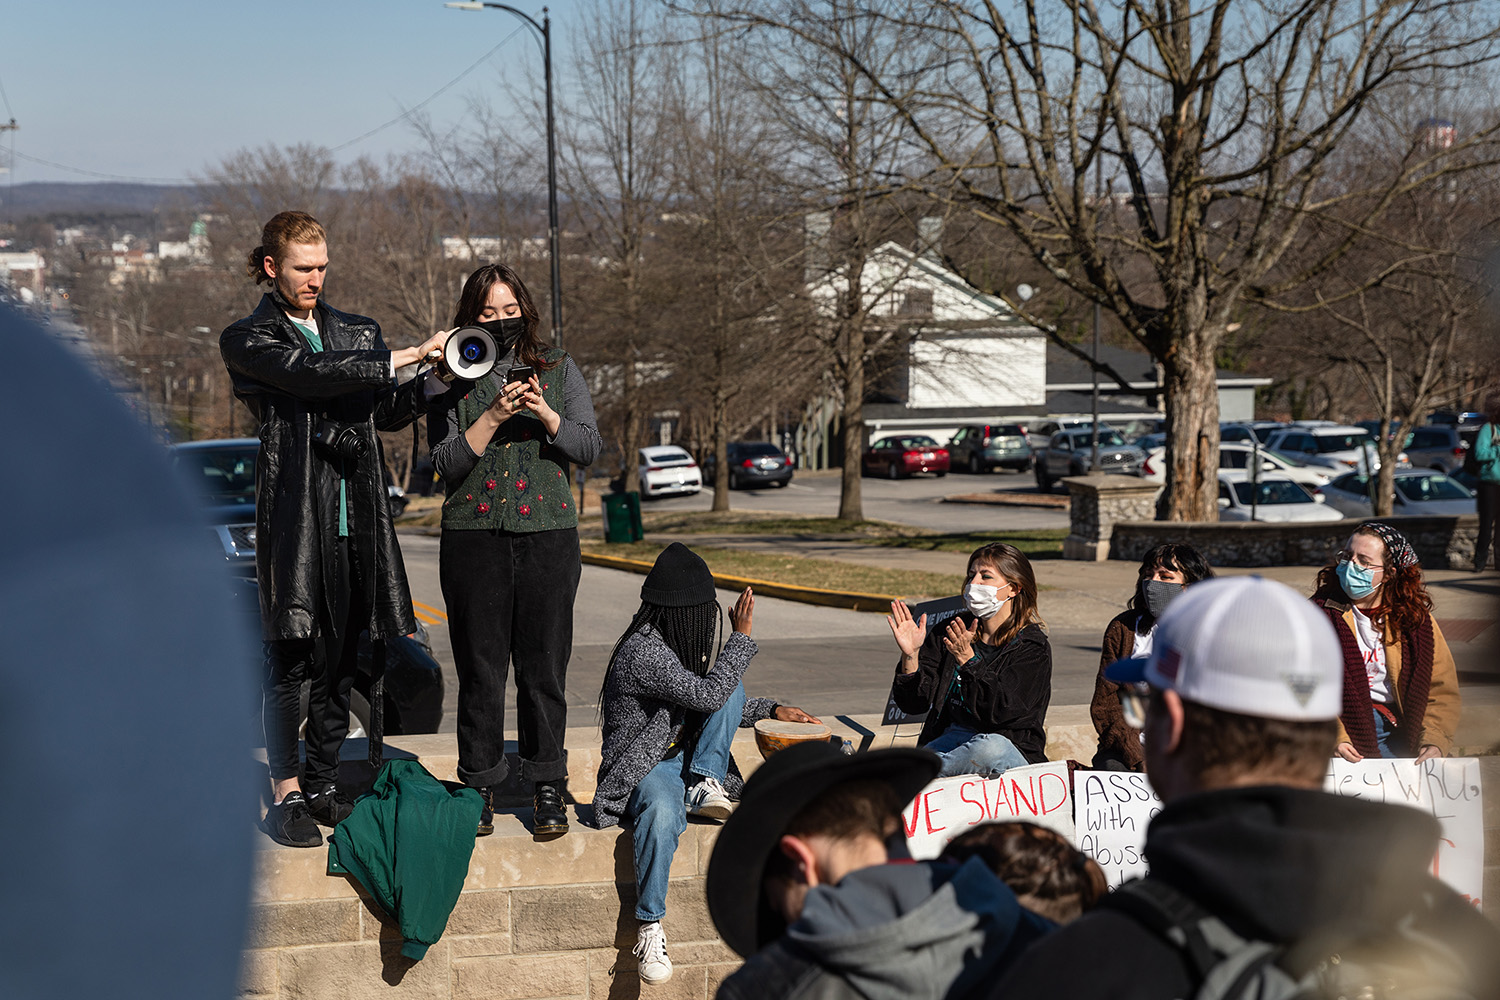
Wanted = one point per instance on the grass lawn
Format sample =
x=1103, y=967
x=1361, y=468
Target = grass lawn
x=828, y=574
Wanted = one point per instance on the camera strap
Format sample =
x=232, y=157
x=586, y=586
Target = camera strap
x=377, y=703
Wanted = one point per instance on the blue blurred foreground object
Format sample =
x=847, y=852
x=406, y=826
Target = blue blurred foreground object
x=130, y=874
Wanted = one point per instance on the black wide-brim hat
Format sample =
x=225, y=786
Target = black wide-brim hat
x=776, y=792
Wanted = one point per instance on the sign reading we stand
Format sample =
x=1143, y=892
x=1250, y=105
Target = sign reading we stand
x=1035, y=793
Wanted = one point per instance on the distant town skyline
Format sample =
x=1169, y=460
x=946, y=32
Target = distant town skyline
x=158, y=92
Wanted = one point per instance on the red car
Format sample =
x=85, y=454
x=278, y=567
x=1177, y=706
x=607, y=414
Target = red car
x=905, y=455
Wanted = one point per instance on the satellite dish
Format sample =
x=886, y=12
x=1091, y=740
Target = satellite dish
x=1024, y=292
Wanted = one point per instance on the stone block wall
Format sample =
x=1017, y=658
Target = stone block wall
x=1096, y=503
x=1441, y=542
x=535, y=920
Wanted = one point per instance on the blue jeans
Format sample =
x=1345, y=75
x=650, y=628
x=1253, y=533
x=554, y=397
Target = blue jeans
x=1385, y=738
x=968, y=751
x=658, y=806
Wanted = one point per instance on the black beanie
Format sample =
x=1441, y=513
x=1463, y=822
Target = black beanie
x=680, y=579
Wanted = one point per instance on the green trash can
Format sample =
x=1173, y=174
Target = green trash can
x=622, y=517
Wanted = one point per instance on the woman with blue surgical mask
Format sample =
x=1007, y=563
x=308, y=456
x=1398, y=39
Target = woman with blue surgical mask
x=1165, y=571
x=985, y=678
x=1400, y=684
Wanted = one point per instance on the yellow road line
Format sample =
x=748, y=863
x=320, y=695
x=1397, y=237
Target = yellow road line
x=437, y=616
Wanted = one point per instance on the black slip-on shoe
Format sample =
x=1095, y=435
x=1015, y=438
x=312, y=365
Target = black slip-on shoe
x=330, y=807
x=289, y=822
x=550, y=819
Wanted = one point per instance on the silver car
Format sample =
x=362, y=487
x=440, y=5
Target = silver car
x=1436, y=446
x=1418, y=491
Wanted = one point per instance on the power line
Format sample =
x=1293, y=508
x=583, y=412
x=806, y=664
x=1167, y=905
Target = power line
x=96, y=173
x=403, y=116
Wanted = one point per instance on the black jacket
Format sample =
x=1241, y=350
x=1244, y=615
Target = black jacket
x=1010, y=689
x=291, y=388
x=1274, y=863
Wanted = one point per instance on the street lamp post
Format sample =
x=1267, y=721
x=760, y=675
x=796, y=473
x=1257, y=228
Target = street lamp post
x=544, y=35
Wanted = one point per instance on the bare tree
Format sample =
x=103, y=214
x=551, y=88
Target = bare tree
x=733, y=260
x=844, y=157
x=1213, y=124
x=614, y=153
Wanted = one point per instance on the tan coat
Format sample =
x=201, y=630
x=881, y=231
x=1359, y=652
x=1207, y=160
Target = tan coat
x=1443, y=703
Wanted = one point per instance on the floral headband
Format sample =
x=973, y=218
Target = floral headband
x=1398, y=550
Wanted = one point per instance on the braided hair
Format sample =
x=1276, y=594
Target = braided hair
x=692, y=633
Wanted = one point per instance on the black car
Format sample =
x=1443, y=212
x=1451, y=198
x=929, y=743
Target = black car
x=753, y=464
x=224, y=472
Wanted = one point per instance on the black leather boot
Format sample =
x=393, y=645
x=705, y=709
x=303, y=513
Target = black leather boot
x=486, y=812
x=551, y=817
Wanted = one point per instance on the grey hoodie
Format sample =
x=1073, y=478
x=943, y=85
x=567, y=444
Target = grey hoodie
x=900, y=931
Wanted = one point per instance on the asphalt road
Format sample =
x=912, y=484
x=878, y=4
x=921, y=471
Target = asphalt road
x=916, y=501
x=824, y=660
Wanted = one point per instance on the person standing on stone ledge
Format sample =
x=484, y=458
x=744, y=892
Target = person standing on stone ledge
x=671, y=702
x=509, y=560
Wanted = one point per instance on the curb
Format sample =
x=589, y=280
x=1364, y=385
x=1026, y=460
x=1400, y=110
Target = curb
x=786, y=591
x=1004, y=500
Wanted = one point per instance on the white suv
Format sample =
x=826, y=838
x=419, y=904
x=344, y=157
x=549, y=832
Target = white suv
x=1335, y=447
x=1233, y=455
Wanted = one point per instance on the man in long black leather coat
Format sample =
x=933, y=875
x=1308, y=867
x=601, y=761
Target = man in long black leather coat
x=321, y=383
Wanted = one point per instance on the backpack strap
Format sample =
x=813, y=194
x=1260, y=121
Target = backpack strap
x=1221, y=963
x=1171, y=915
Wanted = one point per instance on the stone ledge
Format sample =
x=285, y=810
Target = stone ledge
x=535, y=920
x=1441, y=542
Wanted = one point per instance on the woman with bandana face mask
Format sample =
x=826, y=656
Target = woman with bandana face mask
x=509, y=562
x=1400, y=684
x=1165, y=572
x=985, y=678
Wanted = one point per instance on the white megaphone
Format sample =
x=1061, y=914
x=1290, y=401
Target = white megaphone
x=468, y=353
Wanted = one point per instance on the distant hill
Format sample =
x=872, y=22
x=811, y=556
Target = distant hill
x=90, y=199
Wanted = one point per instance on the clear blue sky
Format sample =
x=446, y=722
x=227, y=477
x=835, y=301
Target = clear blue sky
x=161, y=89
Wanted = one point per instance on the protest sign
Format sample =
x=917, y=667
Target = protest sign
x=1111, y=810
x=1035, y=793
x=1447, y=788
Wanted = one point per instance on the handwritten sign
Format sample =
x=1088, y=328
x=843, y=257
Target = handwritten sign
x=1112, y=809
x=1035, y=793
x=1448, y=789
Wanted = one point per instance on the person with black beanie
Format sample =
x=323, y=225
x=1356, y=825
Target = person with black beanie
x=670, y=704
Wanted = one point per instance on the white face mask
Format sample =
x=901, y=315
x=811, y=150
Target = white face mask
x=981, y=601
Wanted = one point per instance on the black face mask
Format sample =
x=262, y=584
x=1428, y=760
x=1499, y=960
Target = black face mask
x=1159, y=594
x=505, y=331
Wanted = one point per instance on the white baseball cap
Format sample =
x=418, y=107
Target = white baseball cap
x=1244, y=644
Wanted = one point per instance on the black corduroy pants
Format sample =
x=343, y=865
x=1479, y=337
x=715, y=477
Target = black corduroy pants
x=510, y=600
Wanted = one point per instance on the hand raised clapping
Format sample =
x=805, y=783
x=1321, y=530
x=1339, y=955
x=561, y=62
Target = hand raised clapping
x=909, y=633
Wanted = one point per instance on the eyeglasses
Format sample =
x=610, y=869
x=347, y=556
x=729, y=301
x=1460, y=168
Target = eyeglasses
x=1362, y=561
x=1133, y=699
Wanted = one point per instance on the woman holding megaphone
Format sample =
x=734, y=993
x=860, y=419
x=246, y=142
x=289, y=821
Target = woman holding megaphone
x=504, y=443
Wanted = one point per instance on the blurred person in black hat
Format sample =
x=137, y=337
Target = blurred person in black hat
x=671, y=702
x=810, y=882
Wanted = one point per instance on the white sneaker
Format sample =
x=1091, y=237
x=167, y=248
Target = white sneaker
x=651, y=949
x=708, y=799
